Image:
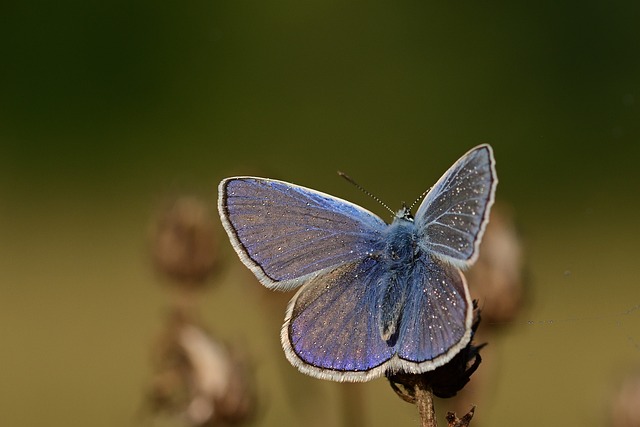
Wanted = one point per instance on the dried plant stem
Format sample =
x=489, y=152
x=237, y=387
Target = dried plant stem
x=424, y=402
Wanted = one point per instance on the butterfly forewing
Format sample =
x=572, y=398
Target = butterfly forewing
x=286, y=233
x=453, y=215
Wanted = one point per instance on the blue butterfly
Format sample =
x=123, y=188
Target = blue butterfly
x=374, y=298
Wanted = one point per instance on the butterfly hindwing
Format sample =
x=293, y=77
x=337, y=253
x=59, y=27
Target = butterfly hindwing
x=453, y=215
x=437, y=316
x=286, y=233
x=331, y=328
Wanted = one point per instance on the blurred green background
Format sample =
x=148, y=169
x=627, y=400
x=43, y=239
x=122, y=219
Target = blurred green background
x=108, y=107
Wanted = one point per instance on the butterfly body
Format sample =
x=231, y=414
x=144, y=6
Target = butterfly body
x=373, y=297
x=397, y=261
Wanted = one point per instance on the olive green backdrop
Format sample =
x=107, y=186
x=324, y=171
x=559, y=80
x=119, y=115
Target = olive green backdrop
x=108, y=107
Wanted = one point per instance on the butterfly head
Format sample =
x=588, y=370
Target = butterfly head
x=404, y=213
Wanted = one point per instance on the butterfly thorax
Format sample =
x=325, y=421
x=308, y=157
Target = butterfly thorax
x=402, y=245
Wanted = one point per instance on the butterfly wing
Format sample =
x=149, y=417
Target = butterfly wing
x=331, y=329
x=437, y=316
x=287, y=234
x=453, y=215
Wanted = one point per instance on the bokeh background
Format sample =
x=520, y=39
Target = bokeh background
x=109, y=107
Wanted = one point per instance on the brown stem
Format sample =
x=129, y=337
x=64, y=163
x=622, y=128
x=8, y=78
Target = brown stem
x=424, y=402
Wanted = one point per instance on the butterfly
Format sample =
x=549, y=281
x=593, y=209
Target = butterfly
x=374, y=298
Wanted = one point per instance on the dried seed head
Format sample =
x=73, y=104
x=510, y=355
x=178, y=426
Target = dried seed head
x=184, y=241
x=199, y=379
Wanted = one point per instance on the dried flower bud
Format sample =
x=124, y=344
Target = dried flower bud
x=184, y=241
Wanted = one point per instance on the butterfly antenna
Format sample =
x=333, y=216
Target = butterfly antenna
x=418, y=199
x=368, y=193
